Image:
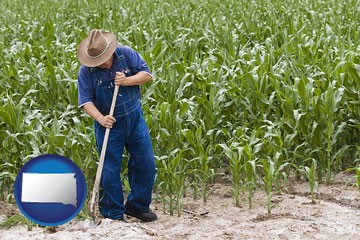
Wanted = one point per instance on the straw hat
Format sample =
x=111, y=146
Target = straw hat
x=97, y=48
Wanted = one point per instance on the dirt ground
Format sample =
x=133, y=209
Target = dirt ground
x=336, y=215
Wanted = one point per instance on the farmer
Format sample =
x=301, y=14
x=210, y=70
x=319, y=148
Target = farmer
x=105, y=64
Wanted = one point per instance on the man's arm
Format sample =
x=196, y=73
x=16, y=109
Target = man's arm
x=137, y=79
x=105, y=121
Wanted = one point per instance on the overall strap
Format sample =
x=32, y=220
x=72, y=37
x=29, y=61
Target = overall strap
x=122, y=61
x=126, y=71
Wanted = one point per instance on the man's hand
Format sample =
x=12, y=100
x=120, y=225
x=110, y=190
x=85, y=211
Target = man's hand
x=107, y=121
x=120, y=79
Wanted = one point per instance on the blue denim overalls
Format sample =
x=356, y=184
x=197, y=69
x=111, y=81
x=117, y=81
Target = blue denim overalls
x=129, y=131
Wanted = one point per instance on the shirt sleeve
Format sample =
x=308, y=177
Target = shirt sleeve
x=86, y=91
x=135, y=62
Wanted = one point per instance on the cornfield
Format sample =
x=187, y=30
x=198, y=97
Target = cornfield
x=253, y=90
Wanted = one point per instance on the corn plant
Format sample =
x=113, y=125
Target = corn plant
x=171, y=177
x=250, y=169
x=234, y=152
x=251, y=149
x=358, y=177
x=331, y=100
x=268, y=167
x=200, y=163
x=310, y=173
x=15, y=220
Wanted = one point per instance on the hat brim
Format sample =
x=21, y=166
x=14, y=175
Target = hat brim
x=85, y=60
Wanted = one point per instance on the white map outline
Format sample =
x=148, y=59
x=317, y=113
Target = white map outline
x=49, y=188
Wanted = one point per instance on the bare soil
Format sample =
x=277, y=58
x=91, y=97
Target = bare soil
x=335, y=215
